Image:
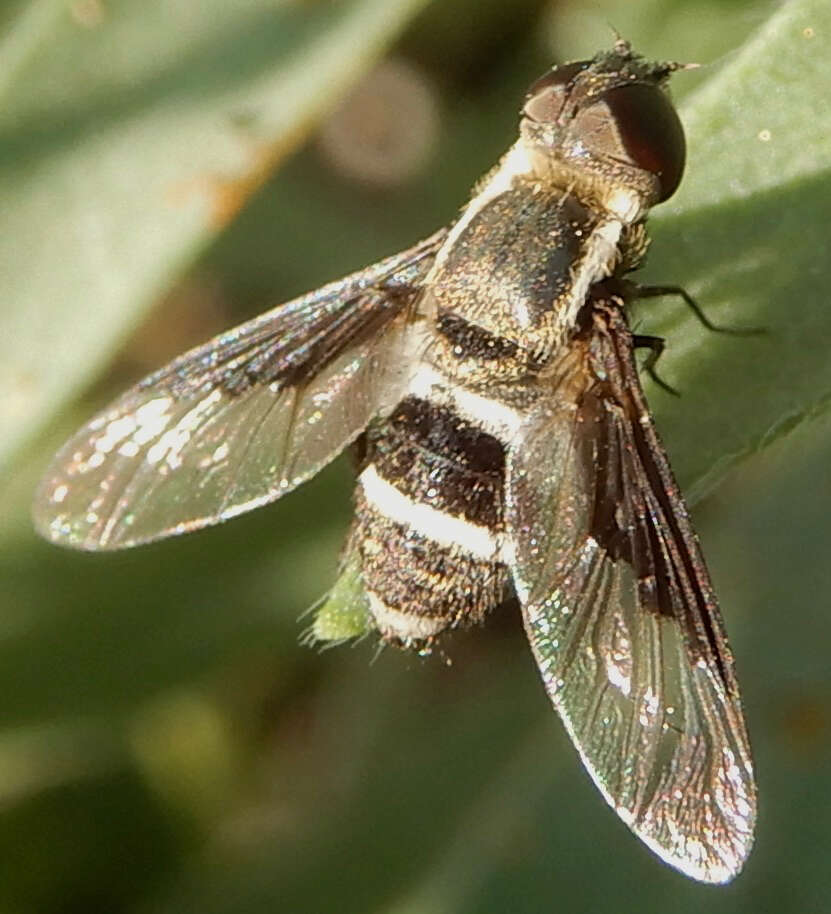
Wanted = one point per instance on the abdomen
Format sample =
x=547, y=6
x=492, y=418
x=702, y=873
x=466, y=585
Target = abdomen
x=429, y=521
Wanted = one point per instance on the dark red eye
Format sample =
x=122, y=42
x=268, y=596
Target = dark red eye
x=545, y=98
x=650, y=132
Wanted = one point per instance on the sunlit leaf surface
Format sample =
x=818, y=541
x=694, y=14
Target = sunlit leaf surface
x=130, y=134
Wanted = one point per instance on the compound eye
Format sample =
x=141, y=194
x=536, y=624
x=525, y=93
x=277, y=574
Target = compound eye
x=646, y=131
x=546, y=97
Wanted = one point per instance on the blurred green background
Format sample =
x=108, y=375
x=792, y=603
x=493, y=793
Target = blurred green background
x=166, y=745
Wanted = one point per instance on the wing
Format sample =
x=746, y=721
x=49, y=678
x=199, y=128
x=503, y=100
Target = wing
x=241, y=420
x=623, y=621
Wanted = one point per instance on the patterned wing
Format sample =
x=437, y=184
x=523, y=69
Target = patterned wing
x=241, y=420
x=623, y=621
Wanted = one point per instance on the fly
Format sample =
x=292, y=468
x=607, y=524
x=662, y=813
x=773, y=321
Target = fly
x=488, y=376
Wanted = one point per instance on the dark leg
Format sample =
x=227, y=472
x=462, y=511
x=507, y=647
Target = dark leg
x=655, y=345
x=659, y=291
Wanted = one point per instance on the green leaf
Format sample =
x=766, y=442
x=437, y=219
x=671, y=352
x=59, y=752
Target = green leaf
x=130, y=133
x=746, y=236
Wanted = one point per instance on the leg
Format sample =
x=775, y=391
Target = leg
x=659, y=291
x=655, y=345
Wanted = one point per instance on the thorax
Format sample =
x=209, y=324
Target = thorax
x=515, y=272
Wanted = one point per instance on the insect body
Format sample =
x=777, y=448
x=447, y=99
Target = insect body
x=507, y=450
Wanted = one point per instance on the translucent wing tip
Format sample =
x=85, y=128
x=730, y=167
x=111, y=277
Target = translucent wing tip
x=706, y=833
x=715, y=858
x=61, y=526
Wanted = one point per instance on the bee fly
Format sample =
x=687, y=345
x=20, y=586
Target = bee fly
x=507, y=448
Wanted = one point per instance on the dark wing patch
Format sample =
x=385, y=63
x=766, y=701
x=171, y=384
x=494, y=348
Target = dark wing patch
x=638, y=519
x=622, y=619
x=241, y=420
